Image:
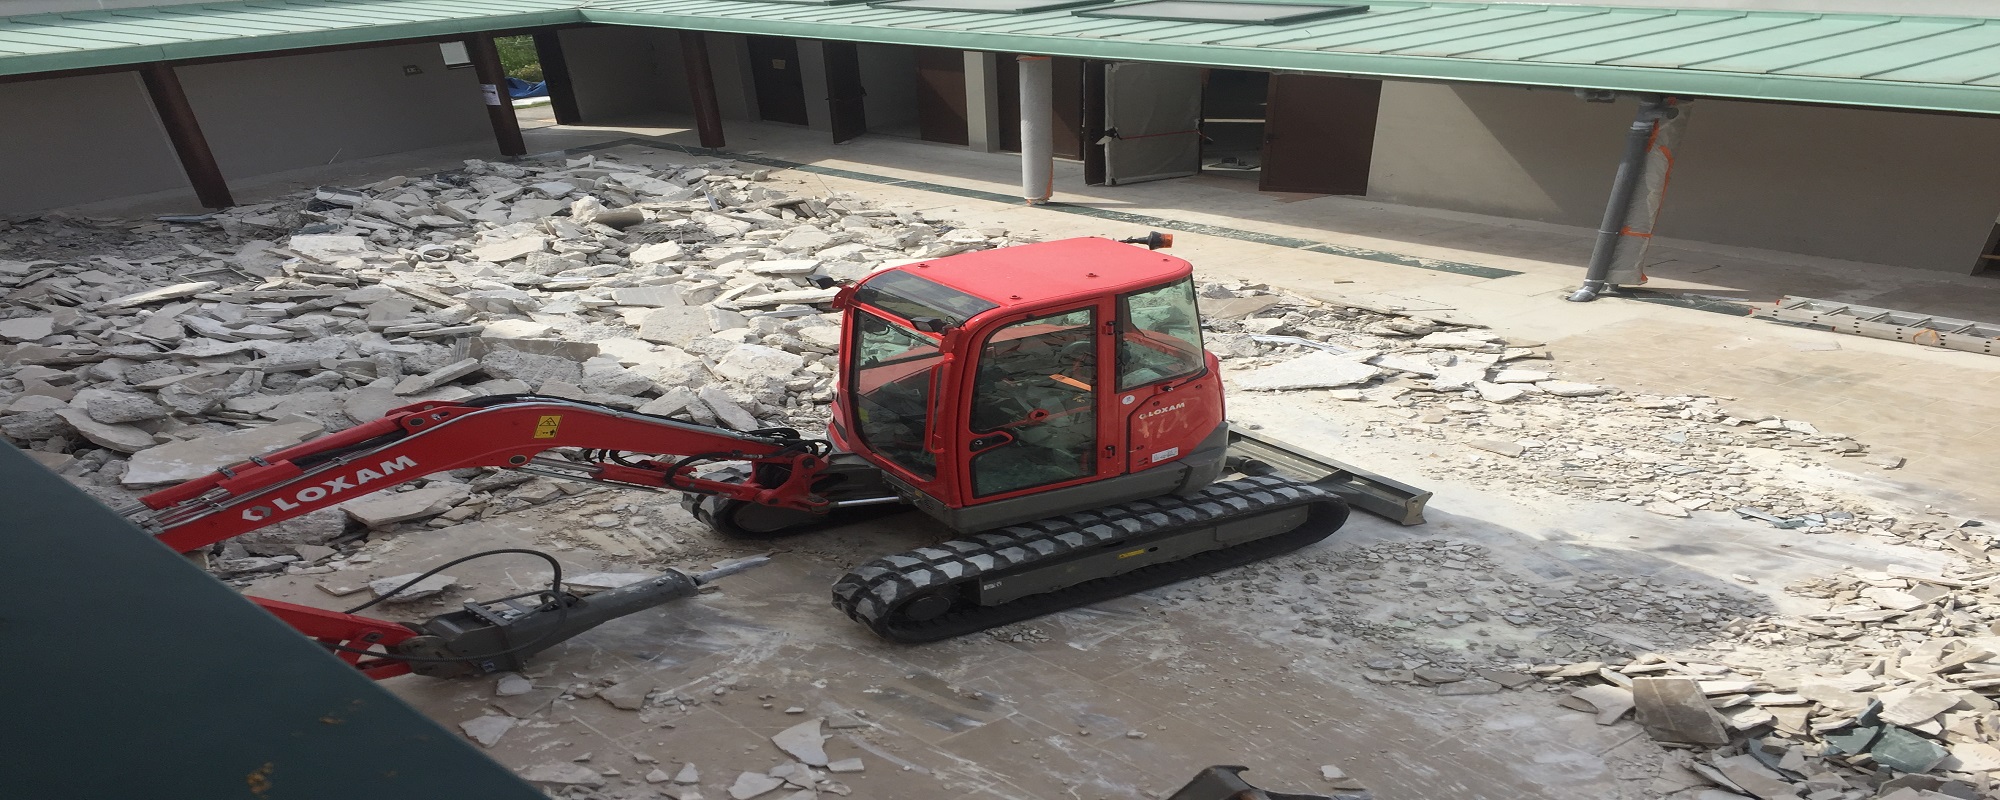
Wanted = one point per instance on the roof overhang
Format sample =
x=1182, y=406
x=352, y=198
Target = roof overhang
x=1936, y=64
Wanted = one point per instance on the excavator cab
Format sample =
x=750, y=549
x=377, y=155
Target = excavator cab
x=1009, y=385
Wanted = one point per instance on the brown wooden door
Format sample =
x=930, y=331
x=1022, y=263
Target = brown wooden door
x=941, y=113
x=781, y=86
x=1319, y=134
x=844, y=91
x=1066, y=96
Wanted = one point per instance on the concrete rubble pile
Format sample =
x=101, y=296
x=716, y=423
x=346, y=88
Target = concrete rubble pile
x=1515, y=422
x=805, y=769
x=1888, y=692
x=1457, y=619
x=142, y=354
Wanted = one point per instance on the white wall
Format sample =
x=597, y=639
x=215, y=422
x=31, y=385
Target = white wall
x=1912, y=190
x=89, y=138
x=889, y=75
x=272, y=114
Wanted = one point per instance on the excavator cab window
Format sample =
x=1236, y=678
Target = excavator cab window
x=1159, y=335
x=894, y=370
x=1034, y=414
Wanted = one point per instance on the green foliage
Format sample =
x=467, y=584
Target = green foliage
x=518, y=58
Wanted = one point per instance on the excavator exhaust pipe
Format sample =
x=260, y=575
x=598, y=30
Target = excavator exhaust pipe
x=1227, y=783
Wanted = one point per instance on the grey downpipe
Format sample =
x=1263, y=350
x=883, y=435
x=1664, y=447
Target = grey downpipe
x=1630, y=167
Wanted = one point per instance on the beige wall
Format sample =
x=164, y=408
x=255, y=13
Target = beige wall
x=612, y=72
x=97, y=137
x=88, y=138
x=1916, y=190
x=1911, y=190
x=627, y=72
x=1540, y=155
x=273, y=114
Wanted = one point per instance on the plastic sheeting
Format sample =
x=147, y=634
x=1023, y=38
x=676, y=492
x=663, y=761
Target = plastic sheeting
x=517, y=88
x=1629, y=253
x=1153, y=114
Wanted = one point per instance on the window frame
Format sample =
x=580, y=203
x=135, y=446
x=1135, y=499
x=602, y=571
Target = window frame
x=1127, y=325
x=1097, y=312
x=921, y=472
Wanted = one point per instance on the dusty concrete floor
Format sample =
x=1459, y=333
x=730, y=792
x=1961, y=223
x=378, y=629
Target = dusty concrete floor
x=1229, y=683
x=1205, y=682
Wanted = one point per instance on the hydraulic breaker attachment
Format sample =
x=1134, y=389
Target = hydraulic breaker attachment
x=500, y=635
x=1226, y=783
x=1256, y=454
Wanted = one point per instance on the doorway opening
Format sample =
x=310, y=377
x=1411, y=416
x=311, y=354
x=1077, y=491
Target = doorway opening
x=781, y=85
x=1232, y=122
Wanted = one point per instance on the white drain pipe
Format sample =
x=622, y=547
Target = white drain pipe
x=1038, y=160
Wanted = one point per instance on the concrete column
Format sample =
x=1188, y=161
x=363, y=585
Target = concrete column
x=555, y=72
x=171, y=103
x=1038, y=161
x=493, y=83
x=982, y=101
x=701, y=88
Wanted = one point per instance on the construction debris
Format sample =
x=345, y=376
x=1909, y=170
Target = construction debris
x=144, y=354
x=1897, y=675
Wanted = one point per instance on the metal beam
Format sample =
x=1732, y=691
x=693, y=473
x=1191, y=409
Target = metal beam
x=499, y=104
x=185, y=132
x=555, y=72
x=701, y=88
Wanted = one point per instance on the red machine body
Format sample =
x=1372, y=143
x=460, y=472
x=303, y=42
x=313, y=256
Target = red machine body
x=427, y=438
x=1084, y=285
x=987, y=389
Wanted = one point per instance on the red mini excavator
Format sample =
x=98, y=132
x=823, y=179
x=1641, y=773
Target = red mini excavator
x=1050, y=404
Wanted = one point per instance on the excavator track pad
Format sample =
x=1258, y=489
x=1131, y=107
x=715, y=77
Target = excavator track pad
x=1024, y=571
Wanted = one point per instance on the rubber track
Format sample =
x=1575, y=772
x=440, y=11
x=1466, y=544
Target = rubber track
x=873, y=591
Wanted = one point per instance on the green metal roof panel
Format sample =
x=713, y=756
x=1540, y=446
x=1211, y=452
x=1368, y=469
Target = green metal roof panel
x=1882, y=62
x=87, y=39
x=1917, y=62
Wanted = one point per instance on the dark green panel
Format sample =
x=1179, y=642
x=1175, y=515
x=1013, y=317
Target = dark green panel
x=130, y=673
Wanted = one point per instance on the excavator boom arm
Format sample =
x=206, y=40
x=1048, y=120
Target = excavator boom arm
x=508, y=432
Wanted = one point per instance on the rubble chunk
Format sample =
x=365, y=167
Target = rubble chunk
x=1311, y=371
x=388, y=508
x=487, y=730
x=193, y=458
x=803, y=742
x=1675, y=710
x=421, y=590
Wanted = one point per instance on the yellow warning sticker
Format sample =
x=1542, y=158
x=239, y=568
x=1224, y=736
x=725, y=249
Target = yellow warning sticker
x=545, y=428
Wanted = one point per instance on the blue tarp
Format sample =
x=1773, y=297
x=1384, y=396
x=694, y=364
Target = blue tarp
x=517, y=88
